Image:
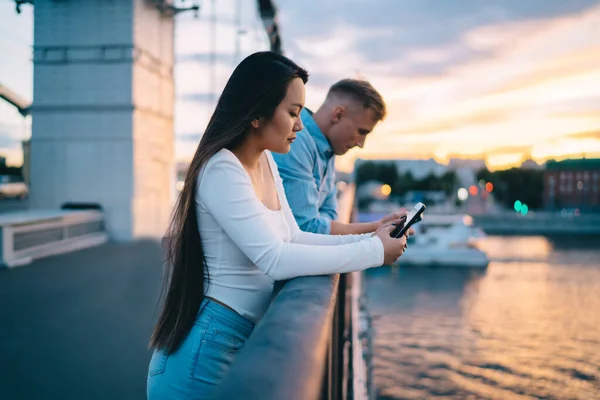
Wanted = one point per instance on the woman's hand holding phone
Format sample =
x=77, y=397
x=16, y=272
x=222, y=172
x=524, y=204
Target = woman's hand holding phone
x=393, y=248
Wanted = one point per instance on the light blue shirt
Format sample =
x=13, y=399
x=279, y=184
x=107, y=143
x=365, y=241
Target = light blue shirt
x=308, y=175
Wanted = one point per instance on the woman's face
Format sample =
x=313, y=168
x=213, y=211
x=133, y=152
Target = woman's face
x=278, y=134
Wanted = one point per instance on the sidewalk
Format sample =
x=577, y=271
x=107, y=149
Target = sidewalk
x=76, y=326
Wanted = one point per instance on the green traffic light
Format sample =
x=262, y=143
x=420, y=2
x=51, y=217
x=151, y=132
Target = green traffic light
x=518, y=205
x=524, y=209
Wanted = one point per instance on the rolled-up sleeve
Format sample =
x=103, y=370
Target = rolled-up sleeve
x=296, y=170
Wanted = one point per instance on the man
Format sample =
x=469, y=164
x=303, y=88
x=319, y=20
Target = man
x=351, y=110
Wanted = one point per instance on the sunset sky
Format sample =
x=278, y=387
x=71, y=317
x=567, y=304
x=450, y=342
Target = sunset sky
x=500, y=79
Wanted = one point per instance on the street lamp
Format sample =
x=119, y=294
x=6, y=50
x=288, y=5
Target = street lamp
x=386, y=190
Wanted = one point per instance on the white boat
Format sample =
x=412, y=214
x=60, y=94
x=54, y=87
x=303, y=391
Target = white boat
x=445, y=241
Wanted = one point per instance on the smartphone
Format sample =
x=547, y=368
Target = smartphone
x=413, y=217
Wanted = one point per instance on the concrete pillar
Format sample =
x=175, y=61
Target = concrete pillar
x=102, y=127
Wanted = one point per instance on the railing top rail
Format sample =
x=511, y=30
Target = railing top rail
x=284, y=357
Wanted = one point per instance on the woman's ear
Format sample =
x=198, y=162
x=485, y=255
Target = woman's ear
x=255, y=123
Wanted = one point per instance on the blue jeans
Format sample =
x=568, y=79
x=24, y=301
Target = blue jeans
x=204, y=357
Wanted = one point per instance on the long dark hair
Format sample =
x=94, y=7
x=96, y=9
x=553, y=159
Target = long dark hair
x=254, y=90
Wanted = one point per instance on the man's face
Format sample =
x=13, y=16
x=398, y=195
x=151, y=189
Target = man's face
x=350, y=128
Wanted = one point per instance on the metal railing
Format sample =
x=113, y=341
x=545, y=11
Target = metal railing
x=303, y=346
x=288, y=354
x=28, y=235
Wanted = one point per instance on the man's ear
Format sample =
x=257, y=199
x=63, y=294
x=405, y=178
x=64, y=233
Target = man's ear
x=337, y=114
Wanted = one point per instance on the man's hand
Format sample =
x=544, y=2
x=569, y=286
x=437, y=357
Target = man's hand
x=339, y=228
x=394, y=218
x=385, y=226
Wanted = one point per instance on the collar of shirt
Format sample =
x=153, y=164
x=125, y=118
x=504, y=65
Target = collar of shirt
x=311, y=126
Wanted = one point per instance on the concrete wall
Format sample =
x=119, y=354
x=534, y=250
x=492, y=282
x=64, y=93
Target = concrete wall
x=102, y=128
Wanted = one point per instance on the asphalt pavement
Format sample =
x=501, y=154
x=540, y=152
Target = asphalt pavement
x=76, y=326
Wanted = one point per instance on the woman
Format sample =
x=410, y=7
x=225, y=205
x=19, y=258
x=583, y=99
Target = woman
x=233, y=233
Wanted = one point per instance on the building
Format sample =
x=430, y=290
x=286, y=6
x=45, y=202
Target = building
x=573, y=184
x=474, y=164
x=466, y=170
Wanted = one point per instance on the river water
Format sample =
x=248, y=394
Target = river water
x=527, y=327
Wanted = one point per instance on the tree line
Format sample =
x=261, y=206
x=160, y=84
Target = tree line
x=510, y=185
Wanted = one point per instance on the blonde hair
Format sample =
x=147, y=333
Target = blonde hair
x=363, y=92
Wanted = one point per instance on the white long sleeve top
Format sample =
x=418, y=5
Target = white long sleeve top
x=248, y=246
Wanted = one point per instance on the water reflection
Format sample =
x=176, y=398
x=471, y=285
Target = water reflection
x=575, y=242
x=441, y=290
x=507, y=248
x=520, y=330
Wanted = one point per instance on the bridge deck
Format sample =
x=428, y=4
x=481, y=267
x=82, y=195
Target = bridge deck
x=75, y=326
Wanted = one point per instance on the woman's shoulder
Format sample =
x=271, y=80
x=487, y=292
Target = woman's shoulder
x=224, y=155
x=224, y=161
x=223, y=158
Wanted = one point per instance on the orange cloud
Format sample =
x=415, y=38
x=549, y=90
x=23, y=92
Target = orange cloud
x=479, y=117
x=577, y=63
x=586, y=135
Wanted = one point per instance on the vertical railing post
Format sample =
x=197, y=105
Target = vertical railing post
x=338, y=332
x=326, y=383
